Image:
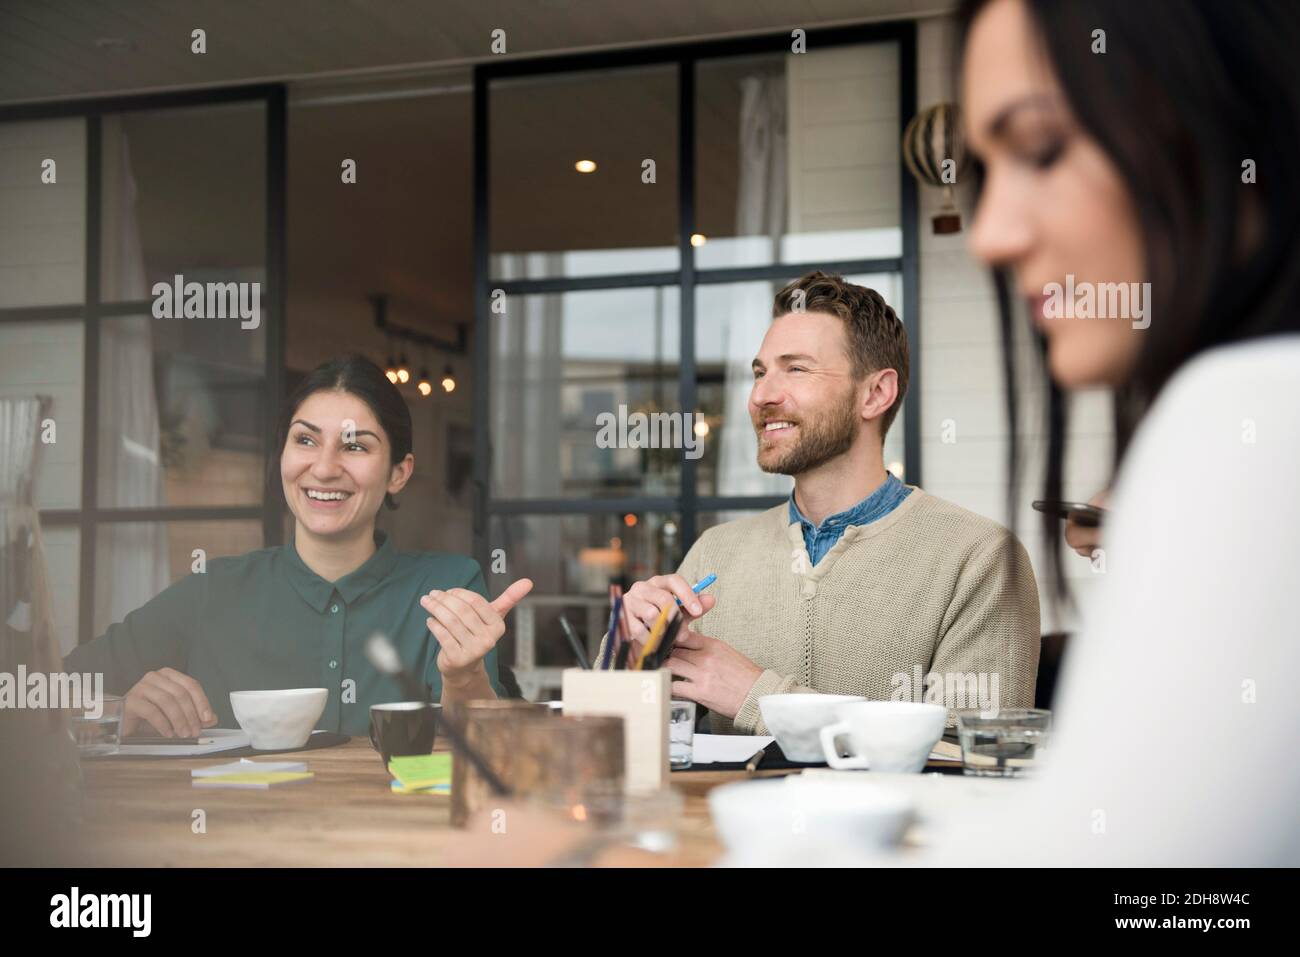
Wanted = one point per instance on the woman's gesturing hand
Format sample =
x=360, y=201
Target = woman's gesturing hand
x=468, y=626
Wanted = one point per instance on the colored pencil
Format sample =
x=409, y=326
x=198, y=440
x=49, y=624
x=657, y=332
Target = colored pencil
x=652, y=640
x=611, y=633
x=578, y=651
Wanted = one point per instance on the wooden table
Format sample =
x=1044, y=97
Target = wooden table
x=141, y=812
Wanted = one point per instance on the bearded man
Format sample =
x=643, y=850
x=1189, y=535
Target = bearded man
x=860, y=584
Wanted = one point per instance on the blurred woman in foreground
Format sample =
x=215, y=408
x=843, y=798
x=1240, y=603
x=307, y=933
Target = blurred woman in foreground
x=1166, y=160
x=1164, y=164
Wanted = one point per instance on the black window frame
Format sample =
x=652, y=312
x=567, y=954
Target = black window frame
x=687, y=503
x=91, y=311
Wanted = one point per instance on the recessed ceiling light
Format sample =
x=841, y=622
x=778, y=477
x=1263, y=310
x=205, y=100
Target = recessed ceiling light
x=698, y=239
x=585, y=166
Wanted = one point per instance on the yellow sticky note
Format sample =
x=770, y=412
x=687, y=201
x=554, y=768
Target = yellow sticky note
x=422, y=770
x=438, y=790
x=252, y=779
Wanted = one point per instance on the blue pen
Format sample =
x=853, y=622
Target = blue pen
x=700, y=585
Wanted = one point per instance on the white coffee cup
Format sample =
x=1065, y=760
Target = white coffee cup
x=798, y=821
x=279, y=720
x=795, y=720
x=893, y=736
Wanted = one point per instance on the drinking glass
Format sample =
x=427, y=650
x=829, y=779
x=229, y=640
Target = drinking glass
x=1002, y=744
x=96, y=735
x=681, y=734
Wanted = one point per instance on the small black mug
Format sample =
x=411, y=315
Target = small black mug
x=402, y=728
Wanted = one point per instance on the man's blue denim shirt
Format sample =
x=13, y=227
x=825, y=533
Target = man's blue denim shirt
x=821, y=539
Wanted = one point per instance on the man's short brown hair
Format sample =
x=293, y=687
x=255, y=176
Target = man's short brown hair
x=875, y=334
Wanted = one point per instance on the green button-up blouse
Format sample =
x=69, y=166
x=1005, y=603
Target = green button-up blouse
x=265, y=620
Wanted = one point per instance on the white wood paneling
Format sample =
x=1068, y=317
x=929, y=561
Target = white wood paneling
x=962, y=379
x=42, y=224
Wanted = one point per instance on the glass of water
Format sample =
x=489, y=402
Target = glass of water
x=98, y=734
x=1002, y=744
x=681, y=734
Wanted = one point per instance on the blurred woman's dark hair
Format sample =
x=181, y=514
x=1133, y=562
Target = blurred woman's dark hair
x=1184, y=95
x=356, y=375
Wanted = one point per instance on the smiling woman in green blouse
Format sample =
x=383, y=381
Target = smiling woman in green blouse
x=298, y=615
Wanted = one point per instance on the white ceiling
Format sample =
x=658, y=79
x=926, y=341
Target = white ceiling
x=74, y=48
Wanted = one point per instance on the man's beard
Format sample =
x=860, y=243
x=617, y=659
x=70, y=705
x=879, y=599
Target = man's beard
x=821, y=438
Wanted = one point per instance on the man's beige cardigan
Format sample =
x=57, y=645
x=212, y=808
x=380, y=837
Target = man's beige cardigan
x=929, y=588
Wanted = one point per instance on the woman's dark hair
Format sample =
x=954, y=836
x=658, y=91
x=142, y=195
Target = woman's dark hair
x=1184, y=95
x=356, y=375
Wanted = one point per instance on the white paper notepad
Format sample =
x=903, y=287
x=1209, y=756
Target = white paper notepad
x=735, y=748
x=244, y=766
x=727, y=748
x=224, y=739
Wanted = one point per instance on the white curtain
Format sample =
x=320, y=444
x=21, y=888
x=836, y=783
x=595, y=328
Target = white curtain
x=131, y=564
x=40, y=786
x=25, y=612
x=760, y=211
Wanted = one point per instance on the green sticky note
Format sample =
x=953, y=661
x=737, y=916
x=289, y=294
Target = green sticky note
x=421, y=770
